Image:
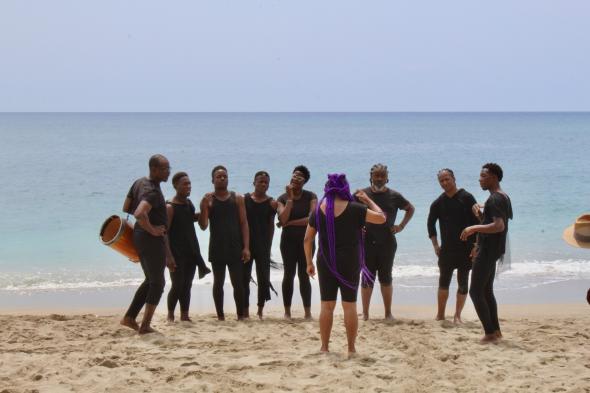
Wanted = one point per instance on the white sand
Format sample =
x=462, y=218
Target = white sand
x=545, y=349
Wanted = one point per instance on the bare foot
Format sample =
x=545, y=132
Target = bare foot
x=439, y=318
x=489, y=339
x=170, y=317
x=130, y=323
x=308, y=317
x=186, y=319
x=259, y=313
x=324, y=350
x=352, y=354
x=365, y=316
x=389, y=317
x=287, y=316
x=146, y=330
x=221, y=317
x=457, y=319
x=498, y=334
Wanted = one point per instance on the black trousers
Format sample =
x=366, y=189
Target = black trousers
x=262, y=279
x=182, y=283
x=482, y=290
x=152, y=256
x=236, y=276
x=294, y=262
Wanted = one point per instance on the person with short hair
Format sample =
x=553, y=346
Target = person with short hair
x=184, y=246
x=452, y=210
x=260, y=210
x=491, y=246
x=294, y=207
x=339, y=221
x=380, y=241
x=229, y=239
x=146, y=202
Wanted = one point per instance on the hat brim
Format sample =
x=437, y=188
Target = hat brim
x=568, y=236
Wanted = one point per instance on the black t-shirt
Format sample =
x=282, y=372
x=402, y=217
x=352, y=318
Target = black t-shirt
x=147, y=190
x=390, y=202
x=347, y=228
x=260, y=215
x=453, y=214
x=300, y=209
x=497, y=205
x=181, y=234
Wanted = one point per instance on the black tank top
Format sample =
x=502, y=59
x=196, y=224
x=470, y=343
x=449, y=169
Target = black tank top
x=182, y=235
x=259, y=216
x=225, y=240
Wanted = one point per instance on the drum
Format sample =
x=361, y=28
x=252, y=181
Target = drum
x=117, y=233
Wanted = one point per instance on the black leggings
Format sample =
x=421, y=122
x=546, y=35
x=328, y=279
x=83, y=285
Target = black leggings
x=182, y=282
x=152, y=256
x=446, y=274
x=482, y=290
x=236, y=272
x=262, y=279
x=294, y=261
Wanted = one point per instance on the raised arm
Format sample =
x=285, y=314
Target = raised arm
x=374, y=213
x=244, y=227
x=204, y=206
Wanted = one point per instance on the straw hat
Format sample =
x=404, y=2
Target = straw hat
x=578, y=235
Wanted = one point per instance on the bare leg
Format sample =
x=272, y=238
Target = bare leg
x=307, y=312
x=443, y=296
x=184, y=316
x=148, y=313
x=326, y=319
x=130, y=323
x=459, y=307
x=351, y=323
x=287, y=312
x=366, y=299
x=170, y=317
x=387, y=293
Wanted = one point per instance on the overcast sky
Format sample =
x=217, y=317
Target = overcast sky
x=320, y=55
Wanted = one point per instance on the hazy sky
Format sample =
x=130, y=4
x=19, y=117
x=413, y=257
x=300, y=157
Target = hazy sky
x=319, y=55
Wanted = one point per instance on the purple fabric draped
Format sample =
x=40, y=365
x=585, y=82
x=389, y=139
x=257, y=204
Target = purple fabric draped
x=337, y=185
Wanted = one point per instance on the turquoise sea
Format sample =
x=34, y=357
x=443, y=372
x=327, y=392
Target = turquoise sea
x=63, y=174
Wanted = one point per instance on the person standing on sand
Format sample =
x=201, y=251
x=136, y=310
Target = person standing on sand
x=491, y=247
x=260, y=210
x=146, y=202
x=453, y=210
x=339, y=221
x=294, y=207
x=229, y=239
x=380, y=241
x=184, y=246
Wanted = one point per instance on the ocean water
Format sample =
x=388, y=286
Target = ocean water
x=64, y=174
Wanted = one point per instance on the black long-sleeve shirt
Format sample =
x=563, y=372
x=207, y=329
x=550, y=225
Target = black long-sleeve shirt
x=454, y=214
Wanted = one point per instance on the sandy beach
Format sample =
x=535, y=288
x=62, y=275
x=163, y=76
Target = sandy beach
x=545, y=349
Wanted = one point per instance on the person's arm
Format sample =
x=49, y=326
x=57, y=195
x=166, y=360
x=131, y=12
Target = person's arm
x=274, y=206
x=494, y=227
x=374, y=213
x=204, y=207
x=301, y=222
x=308, y=241
x=284, y=209
x=244, y=228
x=409, y=208
x=142, y=219
x=431, y=225
x=169, y=214
x=127, y=205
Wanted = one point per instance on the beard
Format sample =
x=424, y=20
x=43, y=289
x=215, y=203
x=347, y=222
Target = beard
x=378, y=187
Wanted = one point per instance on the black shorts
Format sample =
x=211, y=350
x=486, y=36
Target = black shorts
x=329, y=285
x=379, y=260
x=449, y=261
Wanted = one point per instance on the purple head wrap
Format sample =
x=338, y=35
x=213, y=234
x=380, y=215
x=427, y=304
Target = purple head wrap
x=337, y=185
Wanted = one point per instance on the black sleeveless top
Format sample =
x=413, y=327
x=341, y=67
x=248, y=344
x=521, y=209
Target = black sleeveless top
x=225, y=237
x=259, y=221
x=182, y=235
x=299, y=210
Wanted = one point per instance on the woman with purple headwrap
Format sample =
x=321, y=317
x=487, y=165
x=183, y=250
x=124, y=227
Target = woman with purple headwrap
x=340, y=261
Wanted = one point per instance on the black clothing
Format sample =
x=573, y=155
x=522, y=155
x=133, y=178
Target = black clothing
x=225, y=241
x=292, y=250
x=151, y=249
x=147, y=190
x=347, y=229
x=152, y=257
x=497, y=205
x=390, y=202
x=379, y=261
x=260, y=218
x=482, y=289
x=446, y=274
x=491, y=248
x=187, y=254
x=300, y=209
x=453, y=214
x=225, y=249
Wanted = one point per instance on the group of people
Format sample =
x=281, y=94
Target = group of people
x=357, y=243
